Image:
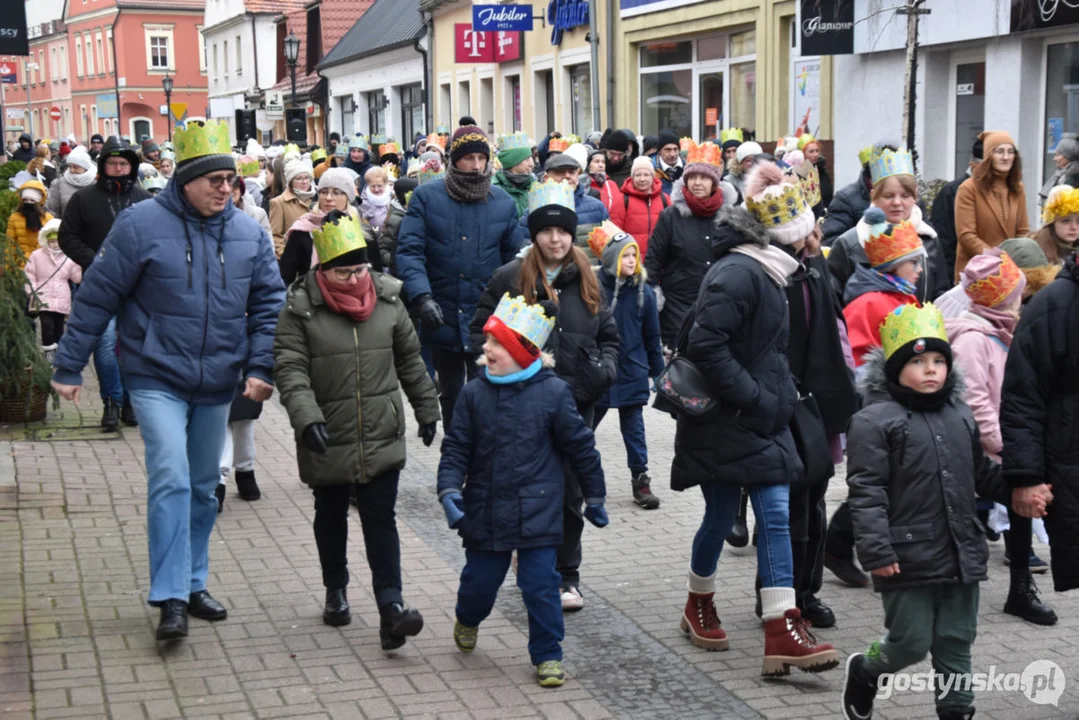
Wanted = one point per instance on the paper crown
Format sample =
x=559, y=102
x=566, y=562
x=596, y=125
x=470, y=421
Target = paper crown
x=319, y=154
x=884, y=163
x=247, y=166
x=908, y=323
x=686, y=144
x=600, y=235
x=557, y=145
x=891, y=243
x=1063, y=201
x=516, y=141
x=390, y=148
x=993, y=290
x=292, y=149
x=527, y=321
x=864, y=154
x=170, y=155
x=199, y=139
x=550, y=193
x=436, y=140
x=336, y=238
x=805, y=139
x=781, y=208
x=378, y=139
x=809, y=180
x=341, y=150
x=708, y=153
x=442, y=130
x=430, y=170
x=731, y=134
x=358, y=142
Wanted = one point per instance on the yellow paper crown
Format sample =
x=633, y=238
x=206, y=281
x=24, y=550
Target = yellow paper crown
x=708, y=153
x=804, y=139
x=908, y=323
x=780, y=208
x=864, y=154
x=809, y=180
x=336, y=238
x=319, y=154
x=199, y=139
x=1063, y=201
x=528, y=321
x=550, y=193
x=291, y=149
x=734, y=134
x=884, y=163
x=247, y=166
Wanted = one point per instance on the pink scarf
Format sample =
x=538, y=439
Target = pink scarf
x=357, y=301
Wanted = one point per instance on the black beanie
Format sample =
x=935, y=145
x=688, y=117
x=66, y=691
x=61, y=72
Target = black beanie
x=552, y=216
x=667, y=137
x=617, y=141
x=894, y=365
x=402, y=187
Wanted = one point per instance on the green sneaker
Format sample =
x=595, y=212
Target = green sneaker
x=550, y=674
x=465, y=637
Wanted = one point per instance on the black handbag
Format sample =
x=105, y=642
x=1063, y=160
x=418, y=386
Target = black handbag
x=811, y=440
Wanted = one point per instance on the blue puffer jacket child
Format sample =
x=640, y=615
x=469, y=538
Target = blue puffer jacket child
x=514, y=467
x=449, y=250
x=196, y=297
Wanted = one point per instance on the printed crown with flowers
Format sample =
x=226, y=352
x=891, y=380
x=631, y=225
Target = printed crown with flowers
x=908, y=323
x=886, y=163
x=336, y=238
x=1063, y=201
x=602, y=234
x=708, y=153
x=731, y=134
x=431, y=170
x=358, y=142
x=557, y=145
x=809, y=180
x=993, y=290
x=199, y=139
x=516, y=141
x=528, y=321
x=778, y=206
x=378, y=139
x=550, y=193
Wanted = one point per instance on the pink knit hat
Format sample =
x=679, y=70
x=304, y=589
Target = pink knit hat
x=993, y=280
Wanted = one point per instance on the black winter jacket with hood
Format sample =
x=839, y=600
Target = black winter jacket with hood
x=913, y=476
x=739, y=342
x=24, y=153
x=847, y=207
x=1039, y=413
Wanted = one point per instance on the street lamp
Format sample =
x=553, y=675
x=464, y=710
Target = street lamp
x=166, y=85
x=292, y=56
x=30, y=67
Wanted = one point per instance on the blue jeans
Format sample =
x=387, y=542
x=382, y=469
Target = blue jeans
x=539, y=583
x=107, y=365
x=771, y=507
x=631, y=421
x=183, y=454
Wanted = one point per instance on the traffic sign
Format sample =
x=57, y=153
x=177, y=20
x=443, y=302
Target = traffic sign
x=55, y=113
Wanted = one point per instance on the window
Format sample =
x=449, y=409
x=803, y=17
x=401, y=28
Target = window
x=580, y=81
x=203, y=60
x=348, y=117
x=376, y=112
x=109, y=50
x=512, y=102
x=63, y=62
x=159, y=52
x=99, y=45
x=239, y=56
x=464, y=99
x=445, y=109
x=159, y=43
x=88, y=45
x=411, y=113
x=85, y=122
x=41, y=71
x=314, y=38
x=225, y=55
x=54, y=69
x=215, y=62
x=666, y=53
x=78, y=56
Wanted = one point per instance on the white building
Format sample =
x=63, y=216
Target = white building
x=983, y=65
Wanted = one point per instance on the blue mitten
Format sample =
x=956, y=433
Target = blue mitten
x=454, y=507
x=597, y=515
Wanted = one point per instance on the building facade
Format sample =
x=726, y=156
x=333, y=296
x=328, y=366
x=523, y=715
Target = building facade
x=41, y=85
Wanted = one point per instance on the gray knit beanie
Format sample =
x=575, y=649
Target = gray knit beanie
x=338, y=179
x=196, y=167
x=612, y=261
x=1069, y=146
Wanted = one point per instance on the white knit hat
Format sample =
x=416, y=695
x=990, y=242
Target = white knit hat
x=81, y=157
x=578, y=152
x=254, y=149
x=293, y=168
x=748, y=149
x=338, y=179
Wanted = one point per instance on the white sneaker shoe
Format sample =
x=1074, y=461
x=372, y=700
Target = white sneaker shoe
x=571, y=599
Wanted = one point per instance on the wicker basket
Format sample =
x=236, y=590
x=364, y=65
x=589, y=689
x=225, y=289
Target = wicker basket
x=15, y=410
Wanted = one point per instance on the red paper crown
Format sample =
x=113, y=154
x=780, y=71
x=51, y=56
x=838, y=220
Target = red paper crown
x=708, y=153
x=686, y=143
x=597, y=240
x=557, y=145
x=894, y=243
x=995, y=289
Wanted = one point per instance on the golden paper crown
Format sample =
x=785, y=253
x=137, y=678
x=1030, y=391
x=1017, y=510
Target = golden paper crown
x=804, y=139
x=1063, y=201
x=557, y=145
x=908, y=323
x=889, y=245
x=291, y=149
x=550, y=193
x=864, y=154
x=247, y=166
x=601, y=235
x=199, y=139
x=528, y=321
x=731, y=134
x=686, y=144
x=708, y=153
x=319, y=154
x=336, y=238
x=995, y=289
x=434, y=139
x=390, y=148
x=884, y=163
x=810, y=183
x=780, y=208
x=516, y=141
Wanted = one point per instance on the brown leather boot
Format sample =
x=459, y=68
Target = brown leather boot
x=700, y=622
x=788, y=642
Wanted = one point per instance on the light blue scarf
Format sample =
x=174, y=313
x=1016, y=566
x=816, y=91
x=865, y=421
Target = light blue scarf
x=519, y=376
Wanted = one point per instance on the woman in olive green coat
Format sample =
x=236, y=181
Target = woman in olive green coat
x=345, y=347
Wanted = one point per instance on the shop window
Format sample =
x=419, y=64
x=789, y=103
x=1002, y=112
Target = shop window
x=1061, y=99
x=348, y=117
x=743, y=90
x=580, y=81
x=464, y=100
x=487, y=104
x=445, y=105
x=666, y=102
x=744, y=43
x=712, y=48
x=376, y=113
x=411, y=113
x=513, y=103
x=666, y=53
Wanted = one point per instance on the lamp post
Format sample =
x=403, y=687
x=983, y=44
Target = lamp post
x=166, y=85
x=292, y=56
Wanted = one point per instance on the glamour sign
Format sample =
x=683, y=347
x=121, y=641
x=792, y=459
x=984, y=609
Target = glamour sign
x=827, y=27
x=489, y=18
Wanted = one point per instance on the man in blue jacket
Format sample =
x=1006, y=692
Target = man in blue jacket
x=458, y=230
x=196, y=290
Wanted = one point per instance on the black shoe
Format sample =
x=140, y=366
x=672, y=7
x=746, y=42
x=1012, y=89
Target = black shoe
x=337, y=611
x=964, y=714
x=816, y=612
x=642, y=493
x=173, y=622
x=739, y=535
x=859, y=689
x=1023, y=601
x=247, y=486
x=127, y=414
x=845, y=569
x=204, y=607
x=219, y=493
x=110, y=416
x=398, y=623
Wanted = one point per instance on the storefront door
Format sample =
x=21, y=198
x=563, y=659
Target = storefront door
x=709, y=101
x=969, y=111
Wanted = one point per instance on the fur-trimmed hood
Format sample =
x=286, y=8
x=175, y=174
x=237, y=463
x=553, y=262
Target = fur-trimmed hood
x=737, y=226
x=873, y=383
x=730, y=197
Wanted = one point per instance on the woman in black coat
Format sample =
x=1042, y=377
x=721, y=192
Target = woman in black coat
x=584, y=342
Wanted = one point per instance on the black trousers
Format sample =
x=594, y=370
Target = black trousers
x=377, y=499
x=570, y=551
x=454, y=370
x=809, y=529
x=52, y=327
x=1019, y=542
x=840, y=542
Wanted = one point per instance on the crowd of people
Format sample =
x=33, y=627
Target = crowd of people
x=546, y=283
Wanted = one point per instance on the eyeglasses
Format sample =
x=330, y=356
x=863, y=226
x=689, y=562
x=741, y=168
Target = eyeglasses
x=343, y=274
x=216, y=181
x=330, y=192
x=1005, y=152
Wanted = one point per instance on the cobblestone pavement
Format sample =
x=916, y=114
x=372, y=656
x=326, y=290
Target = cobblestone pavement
x=76, y=637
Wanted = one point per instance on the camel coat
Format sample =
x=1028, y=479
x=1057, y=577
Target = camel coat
x=981, y=223
x=285, y=209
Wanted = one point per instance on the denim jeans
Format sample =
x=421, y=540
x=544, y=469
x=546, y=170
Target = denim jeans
x=183, y=455
x=107, y=365
x=771, y=507
x=631, y=422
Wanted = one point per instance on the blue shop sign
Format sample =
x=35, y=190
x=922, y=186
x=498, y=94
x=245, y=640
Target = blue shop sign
x=492, y=18
x=565, y=15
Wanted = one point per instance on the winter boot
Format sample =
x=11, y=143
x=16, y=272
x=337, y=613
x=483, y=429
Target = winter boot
x=49, y=352
x=1023, y=600
x=127, y=413
x=701, y=624
x=739, y=535
x=816, y=613
x=859, y=689
x=219, y=493
x=787, y=640
x=336, y=611
x=398, y=624
x=949, y=714
x=110, y=416
x=642, y=494
x=247, y=486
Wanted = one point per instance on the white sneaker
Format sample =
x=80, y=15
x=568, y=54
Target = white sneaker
x=571, y=599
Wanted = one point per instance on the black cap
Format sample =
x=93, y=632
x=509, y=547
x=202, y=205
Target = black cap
x=667, y=137
x=96, y=137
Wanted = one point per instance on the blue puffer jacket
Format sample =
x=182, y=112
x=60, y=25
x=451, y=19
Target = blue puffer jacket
x=514, y=467
x=197, y=300
x=449, y=250
x=640, y=351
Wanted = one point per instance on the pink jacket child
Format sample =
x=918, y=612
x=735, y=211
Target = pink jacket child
x=981, y=336
x=48, y=272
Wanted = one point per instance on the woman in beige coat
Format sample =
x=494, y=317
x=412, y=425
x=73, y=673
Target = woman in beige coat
x=294, y=203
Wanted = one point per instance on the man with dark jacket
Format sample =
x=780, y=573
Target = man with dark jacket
x=97, y=143
x=668, y=160
x=88, y=218
x=943, y=217
x=25, y=151
x=196, y=287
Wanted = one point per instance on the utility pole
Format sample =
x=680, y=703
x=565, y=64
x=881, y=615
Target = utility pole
x=913, y=10
x=593, y=80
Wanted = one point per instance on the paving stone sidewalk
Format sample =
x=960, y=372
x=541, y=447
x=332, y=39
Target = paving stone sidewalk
x=76, y=637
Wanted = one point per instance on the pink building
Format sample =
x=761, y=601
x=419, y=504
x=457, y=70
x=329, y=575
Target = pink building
x=44, y=77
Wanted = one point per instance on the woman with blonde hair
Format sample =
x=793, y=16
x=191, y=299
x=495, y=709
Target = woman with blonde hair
x=1060, y=229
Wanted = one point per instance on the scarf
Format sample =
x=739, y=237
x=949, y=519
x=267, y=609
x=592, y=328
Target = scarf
x=1000, y=320
x=706, y=208
x=778, y=264
x=520, y=180
x=304, y=195
x=32, y=213
x=375, y=207
x=519, y=376
x=80, y=181
x=357, y=301
x=598, y=180
x=467, y=187
x=923, y=402
x=552, y=274
x=898, y=283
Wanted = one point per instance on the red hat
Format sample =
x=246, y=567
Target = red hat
x=523, y=352
x=65, y=149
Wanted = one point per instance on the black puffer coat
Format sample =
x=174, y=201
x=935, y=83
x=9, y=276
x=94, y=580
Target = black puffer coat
x=739, y=343
x=943, y=221
x=584, y=346
x=1039, y=413
x=846, y=208
x=913, y=476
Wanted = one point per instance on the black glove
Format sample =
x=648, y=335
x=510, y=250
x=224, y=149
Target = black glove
x=429, y=312
x=315, y=438
x=428, y=432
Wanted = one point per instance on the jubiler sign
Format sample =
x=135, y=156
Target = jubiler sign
x=491, y=18
x=827, y=27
